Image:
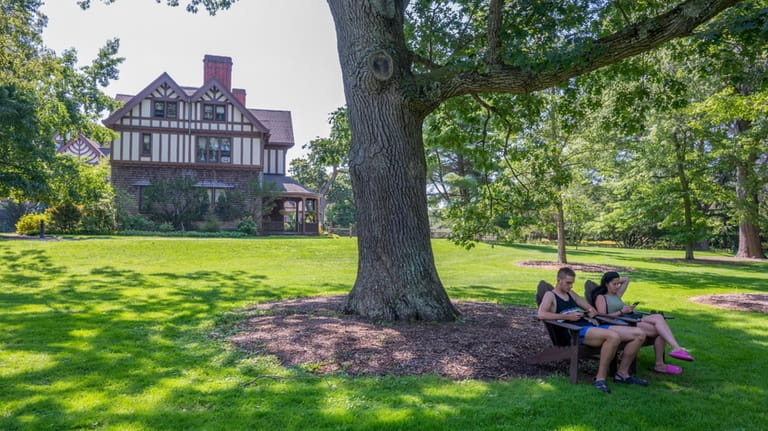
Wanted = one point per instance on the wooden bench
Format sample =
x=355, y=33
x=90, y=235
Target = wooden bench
x=565, y=342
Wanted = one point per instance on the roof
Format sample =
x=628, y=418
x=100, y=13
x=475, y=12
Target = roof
x=279, y=124
x=288, y=186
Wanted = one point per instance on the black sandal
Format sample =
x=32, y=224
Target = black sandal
x=630, y=380
x=601, y=386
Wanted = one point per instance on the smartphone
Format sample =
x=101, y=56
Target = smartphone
x=635, y=304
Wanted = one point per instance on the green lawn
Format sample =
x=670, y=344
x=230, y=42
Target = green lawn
x=119, y=334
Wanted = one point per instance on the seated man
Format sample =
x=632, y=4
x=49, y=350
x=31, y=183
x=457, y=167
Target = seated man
x=563, y=304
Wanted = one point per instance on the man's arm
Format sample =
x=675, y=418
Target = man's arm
x=581, y=302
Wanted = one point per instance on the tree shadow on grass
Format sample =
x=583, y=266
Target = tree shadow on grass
x=107, y=334
x=118, y=353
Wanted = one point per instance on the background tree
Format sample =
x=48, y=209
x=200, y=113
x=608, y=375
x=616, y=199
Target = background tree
x=326, y=160
x=42, y=95
x=400, y=60
x=736, y=65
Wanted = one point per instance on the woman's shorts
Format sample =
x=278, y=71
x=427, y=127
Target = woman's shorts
x=584, y=329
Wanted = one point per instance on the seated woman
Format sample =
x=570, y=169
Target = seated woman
x=608, y=301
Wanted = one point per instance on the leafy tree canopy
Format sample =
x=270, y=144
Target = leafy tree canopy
x=43, y=94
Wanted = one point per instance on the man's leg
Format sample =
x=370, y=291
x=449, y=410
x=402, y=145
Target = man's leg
x=608, y=341
x=634, y=337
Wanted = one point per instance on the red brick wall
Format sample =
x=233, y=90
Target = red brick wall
x=219, y=68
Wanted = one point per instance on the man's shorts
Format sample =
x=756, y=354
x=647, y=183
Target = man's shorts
x=584, y=329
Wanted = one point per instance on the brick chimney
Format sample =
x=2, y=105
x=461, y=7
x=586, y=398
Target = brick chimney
x=239, y=94
x=218, y=67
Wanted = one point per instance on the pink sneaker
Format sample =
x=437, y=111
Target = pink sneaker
x=681, y=354
x=669, y=369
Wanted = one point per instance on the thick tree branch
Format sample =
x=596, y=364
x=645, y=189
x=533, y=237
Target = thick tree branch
x=632, y=40
x=494, y=32
x=429, y=64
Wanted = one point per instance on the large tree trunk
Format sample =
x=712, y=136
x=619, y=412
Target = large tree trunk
x=749, y=233
x=561, y=258
x=396, y=275
x=685, y=190
x=747, y=203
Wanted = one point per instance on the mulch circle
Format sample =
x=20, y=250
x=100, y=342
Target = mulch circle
x=757, y=302
x=490, y=341
x=579, y=267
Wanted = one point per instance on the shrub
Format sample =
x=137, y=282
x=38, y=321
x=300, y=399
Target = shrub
x=165, y=227
x=30, y=224
x=175, y=200
x=229, y=205
x=248, y=226
x=130, y=222
x=65, y=218
x=211, y=224
x=15, y=210
x=100, y=217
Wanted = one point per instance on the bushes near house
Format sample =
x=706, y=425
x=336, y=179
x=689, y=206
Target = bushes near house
x=29, y=224
x=210, y=224
x=230, y=205
x=65, y=218
x=176, y=201
x=248, y=226
x=99, y=217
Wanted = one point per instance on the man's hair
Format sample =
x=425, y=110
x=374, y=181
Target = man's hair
x=565, y=272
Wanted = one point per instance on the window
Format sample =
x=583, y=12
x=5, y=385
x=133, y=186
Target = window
x=170, y=109
x=214, y=112
x=146, y=144
x=214, y=150
x=159, y=109
x=163, y=109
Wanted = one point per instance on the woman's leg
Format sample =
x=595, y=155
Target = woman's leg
x=662, y=328
x=659, y=344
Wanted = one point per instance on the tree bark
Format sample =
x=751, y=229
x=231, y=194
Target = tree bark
x=685, y=190
x=750, y=245
x=561, y=257
x=396, y=275
x=747, y=202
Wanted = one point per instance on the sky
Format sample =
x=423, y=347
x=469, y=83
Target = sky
x=283, y=52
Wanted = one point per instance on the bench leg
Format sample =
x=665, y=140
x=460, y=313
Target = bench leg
x=574, y=366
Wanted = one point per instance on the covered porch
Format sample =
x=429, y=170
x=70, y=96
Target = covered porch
x=293, y=211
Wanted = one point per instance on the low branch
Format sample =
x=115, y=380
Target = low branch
x=632, y=40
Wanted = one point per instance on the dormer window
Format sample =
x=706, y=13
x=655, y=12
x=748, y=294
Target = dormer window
x=163, y=109
x=213, y=112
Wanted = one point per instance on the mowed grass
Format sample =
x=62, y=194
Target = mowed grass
x=128, y=334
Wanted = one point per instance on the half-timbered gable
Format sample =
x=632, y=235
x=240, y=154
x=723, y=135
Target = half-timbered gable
x=205, y=132
x=81, y=147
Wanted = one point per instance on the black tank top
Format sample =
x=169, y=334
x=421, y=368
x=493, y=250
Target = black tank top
x=569, y=306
